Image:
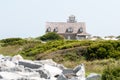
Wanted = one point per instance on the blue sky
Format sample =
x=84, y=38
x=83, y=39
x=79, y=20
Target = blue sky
x=26, y=18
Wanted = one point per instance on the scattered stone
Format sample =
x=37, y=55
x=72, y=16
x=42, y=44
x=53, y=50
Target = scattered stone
x=16, y=68
x=93, y=76
x=1, y=56
x=80, y=71
x=52, y=70
x=43, y=73
x=9, y=75
x=62, y=77
x=1, y=77
x=51, y=62
x=17, y=58
x=29, y=64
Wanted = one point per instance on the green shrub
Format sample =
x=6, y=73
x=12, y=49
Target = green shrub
x=112, y=72
x=103, y=50
x=9, y=40
x=92, y=49
x=71, y=56
x=66, y=46
x=51, y=36
x=13, y=41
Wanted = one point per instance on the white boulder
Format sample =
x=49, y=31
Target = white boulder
x=52, y=70
x=93, y=76
x=17, y=58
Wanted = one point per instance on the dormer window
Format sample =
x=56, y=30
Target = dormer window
x=56, y=29
x=70, y=30
x=48, y=29
x=80, y=30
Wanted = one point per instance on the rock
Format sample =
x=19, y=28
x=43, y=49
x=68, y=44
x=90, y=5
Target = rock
x=29, y=64
x=52, y=70
x=50, y=62
x=93, y=76
x=6, y=64
x=61, y=66
x=80, y=71
x=1, y=77
x=35, y=78
x=53, y=78
x=74, y=78
x=62, y=77
x=17, y=58
x=1, y=56
x=43, y=73
x=7, y=69
x=16, y=68
x=9, y=75
x=67, y=71
x=28, y=74
x=7, y=58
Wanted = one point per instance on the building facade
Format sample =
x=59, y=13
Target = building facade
x=69, y=30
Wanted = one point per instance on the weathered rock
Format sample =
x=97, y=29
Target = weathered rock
x=9, y=64
x=67, y=71
x=29, y=64
x=17, y=58
x=10, y=75
x=17, y=68
x=52, y=70
x=80, y=71
x=3, y=69
x=1, y=77
x=7, y=58
x=50, y=62
x=93, y=76
x=1, y=56
x=62, y=77
x=43, y=73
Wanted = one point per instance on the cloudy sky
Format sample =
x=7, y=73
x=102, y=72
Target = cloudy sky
x=27, y=18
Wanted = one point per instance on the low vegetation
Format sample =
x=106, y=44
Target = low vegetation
x=92, y=49
x=12, y=41
x=50, y=36
x=96, y=55
x=111, y=73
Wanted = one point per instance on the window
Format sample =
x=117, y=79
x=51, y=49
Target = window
x=56, y=29
x=48, y=29
x=70, y=30
x=80, y=30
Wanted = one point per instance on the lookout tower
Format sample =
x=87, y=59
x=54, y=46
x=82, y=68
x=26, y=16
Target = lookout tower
x=71, y=19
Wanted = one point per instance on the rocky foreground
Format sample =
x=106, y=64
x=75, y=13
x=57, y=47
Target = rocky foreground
x=16, y=68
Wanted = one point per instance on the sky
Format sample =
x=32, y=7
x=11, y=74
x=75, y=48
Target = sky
x=27, y=18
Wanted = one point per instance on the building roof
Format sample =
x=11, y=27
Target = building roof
x=69, y=27
x=62, y=26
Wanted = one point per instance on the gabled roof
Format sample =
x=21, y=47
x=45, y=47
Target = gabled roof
x=62, y=26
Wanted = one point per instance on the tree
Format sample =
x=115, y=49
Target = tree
x=51, y=36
